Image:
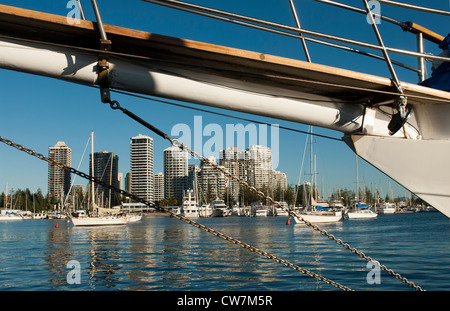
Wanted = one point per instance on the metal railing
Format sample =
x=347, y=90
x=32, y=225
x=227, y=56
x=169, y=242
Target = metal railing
x=305, y=35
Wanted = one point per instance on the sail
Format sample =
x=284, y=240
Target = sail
x=320, y=205
x=106, y=210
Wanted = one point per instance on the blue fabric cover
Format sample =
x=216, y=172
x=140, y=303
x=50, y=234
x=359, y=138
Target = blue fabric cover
x=440, y=78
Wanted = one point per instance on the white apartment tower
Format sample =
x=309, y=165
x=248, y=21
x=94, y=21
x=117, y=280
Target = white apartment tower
x=212, y=182
x=279, y=181
x=175, y=173
x=234, y=161
x=259, y=167
x=159, y=186
x=58, y=178
x=141, y=167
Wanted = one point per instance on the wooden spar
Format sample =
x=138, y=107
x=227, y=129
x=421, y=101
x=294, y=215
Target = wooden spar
x=204, y=58
x=427, y=34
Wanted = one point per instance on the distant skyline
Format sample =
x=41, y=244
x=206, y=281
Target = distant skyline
x=38, y=112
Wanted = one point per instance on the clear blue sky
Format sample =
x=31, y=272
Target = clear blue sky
x=37, y=112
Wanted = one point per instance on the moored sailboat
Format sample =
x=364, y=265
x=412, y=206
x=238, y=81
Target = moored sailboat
x=100, y=216
x=361, y=211
x=317, y=213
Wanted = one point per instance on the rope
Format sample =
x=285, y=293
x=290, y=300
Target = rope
x=222, y=114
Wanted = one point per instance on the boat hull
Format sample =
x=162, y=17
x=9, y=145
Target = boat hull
x=319, y=217
x=98, y=221
x=219, y=212
x=133, y=218
x=10, y=217
x=388, y=210
x=361, y=215
x=261, y=213
x=192, y=213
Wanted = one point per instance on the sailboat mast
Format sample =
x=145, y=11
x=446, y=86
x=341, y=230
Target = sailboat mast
x=357, y=181
x=6, y=196
x=92, y=168
x=110, y=178
x=311, y=165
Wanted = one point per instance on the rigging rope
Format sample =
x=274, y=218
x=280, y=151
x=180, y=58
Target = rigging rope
x=221, y=114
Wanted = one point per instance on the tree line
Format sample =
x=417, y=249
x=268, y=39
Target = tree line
x=25, y=200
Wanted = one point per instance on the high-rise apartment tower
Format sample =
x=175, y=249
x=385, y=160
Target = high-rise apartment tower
x=58, y=178
x=141, y=167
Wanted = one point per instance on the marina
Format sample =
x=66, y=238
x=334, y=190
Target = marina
x=169, y=237
x=157, y=253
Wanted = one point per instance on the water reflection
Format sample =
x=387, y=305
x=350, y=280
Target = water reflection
x=103, y=254
x=57, y=252
x=160, y=253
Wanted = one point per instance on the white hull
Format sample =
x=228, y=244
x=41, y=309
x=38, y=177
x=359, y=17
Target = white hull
x=99, y=221
x=388, y=210
x=10, y=217
x=219, y=212
x=133, y=218
x=219, y=209
x=192, y=212
x=205, y=211
x=281, y=212
x=319, y=217
x=192, y=215
x=261, y=213
x=366, y=214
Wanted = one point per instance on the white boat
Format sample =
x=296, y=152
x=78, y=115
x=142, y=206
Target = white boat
x=319, y=214
x=362, y=214
x=100, y=216
x=386, y=208
x=280, y=211
x=219, y=208
x=190, y=207
x=237, y=210
x=205, y=210
x=99, y=220
x=319, y=217
x=361, y=211
x=10, y=216
x=133, y=218
x=41, y=215
x=261, y=212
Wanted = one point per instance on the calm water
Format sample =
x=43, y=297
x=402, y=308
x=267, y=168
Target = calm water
x=162, y=253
